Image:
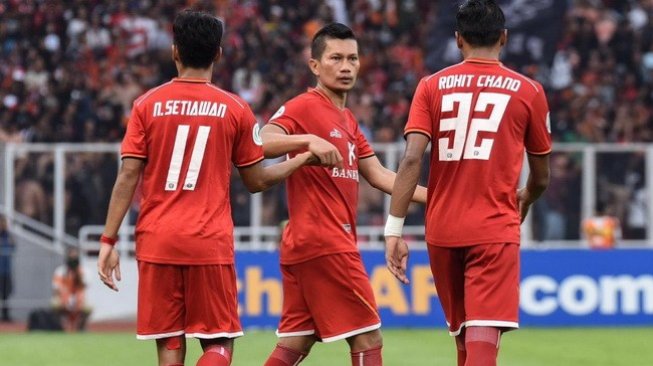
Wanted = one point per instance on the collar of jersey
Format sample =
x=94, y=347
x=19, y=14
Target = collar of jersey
x=325, y=97
x=483, y=61
x=190, y=80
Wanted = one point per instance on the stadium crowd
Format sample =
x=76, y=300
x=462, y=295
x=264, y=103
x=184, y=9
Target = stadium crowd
x=70, y=73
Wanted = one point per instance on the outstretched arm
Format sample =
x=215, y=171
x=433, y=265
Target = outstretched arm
x=121, y=198
x=277, y=143
x=538, y=181
x=259, y=178
x=383, y=178
x=396, y=250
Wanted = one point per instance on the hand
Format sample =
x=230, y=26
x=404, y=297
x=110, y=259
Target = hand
x=396, y=257
x=108, y=265
x=326, y=152
x=309, y=158
x=524, y=201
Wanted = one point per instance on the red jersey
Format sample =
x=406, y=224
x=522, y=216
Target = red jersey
x=322, y=202
x=189, y=132
x=480, y=116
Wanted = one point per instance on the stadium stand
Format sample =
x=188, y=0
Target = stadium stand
x=70, y=73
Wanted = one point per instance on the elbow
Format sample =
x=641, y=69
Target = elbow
x=541, y=183
x=411, y=160
x=257, y=186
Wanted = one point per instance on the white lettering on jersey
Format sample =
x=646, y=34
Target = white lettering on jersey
x=455, y=81
x=352, y=153
x=190, y=108
x=499, y=82
x=345, y=173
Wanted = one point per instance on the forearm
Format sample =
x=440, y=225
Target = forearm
x=121, y=199
x=386, y=180
x=278, y=144
x=405, y=185
x=276, y=173
x=535, y=187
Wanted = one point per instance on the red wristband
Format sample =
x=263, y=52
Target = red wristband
x=108, y=240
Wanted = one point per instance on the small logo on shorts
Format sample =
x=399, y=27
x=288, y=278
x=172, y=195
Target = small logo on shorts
x=347, y=227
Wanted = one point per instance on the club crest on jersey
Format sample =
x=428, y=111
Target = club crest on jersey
x=335, y=134
x=256, y=135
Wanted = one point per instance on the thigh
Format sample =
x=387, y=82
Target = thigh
x=161, y=308
x=340, y=299
x=296, y=319
x=492, y=285
x=211, y=299
x=448, y=268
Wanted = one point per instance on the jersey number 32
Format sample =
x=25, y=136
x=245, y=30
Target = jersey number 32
x=464, y=143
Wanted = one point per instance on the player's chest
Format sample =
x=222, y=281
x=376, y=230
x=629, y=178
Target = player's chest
x=340, y=131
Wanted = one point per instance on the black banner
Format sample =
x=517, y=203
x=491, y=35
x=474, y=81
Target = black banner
x=534, y=28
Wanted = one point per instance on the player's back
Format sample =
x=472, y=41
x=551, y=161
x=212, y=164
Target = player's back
x=482, y=117
x=189, y=132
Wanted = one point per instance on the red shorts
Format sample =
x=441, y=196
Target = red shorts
x=329, y=296
x=199, y=301
x=477, y=285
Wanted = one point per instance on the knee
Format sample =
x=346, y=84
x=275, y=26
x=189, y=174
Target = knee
x=366, y=341
x=299, y=344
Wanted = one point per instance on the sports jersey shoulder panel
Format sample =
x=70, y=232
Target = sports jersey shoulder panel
x=149, y=93
x=533, y=83
x=236, y=99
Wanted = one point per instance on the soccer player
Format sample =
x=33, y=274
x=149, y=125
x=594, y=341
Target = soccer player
x=181, y=140
x=327, y=295
x=479, y=117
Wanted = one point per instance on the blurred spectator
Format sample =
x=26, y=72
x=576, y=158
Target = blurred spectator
x=7, y=249
x=69, y=298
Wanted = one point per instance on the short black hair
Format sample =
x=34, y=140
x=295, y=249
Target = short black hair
x=329, y=31
x=197, y=36
x=480, y=22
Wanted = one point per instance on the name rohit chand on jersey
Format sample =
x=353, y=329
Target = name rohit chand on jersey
x=481, y=81
x=189, y=108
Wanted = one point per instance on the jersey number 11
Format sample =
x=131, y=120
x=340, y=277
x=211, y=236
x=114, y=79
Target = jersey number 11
x=178, y=156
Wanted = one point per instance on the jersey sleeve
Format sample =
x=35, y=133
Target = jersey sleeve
x=364, y=148
x=134, y=144
x=247, y=148
x=284, y=118
x=538, y=131
x=419, y=118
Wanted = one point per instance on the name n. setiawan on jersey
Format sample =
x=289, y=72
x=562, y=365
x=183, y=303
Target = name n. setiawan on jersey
x=189, y=132
x=480, y=117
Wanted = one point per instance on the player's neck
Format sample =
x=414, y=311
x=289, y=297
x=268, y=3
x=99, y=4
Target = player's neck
x=338, y=99
x=482, y=53
x=191, y=73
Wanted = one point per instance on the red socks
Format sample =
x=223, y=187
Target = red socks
x=284, y=356
x=370, y=357
x=460, y=347
x=215, y=356
x=482, y=345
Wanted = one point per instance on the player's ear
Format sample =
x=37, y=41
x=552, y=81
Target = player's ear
x=314, y=64
x=459, y=40
x=504, y=38
x=175, y=53
x=218, y=55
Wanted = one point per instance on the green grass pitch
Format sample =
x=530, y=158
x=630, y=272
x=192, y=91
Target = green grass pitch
x=526, y=347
